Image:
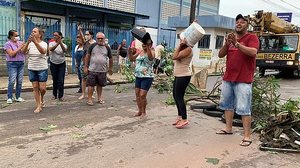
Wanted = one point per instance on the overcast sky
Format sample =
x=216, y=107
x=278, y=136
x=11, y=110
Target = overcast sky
x=248, y=7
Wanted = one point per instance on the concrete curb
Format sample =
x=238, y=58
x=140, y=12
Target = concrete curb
x=67, y=86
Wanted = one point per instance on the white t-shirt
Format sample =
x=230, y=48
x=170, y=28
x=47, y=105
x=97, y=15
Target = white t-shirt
x=77, y=48
x=36, y=60
x=158, y=50
x=58, y=55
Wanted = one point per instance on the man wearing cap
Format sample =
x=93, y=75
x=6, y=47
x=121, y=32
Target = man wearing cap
x=241, y=49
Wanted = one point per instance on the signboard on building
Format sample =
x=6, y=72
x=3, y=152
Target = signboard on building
x=285, y=16
x=205, y=54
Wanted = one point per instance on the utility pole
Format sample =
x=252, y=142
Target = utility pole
x=192, y=11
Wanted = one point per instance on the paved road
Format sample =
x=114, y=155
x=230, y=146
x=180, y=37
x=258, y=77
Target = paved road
x=108, y=136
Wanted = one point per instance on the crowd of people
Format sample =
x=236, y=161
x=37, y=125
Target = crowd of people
x=94, y=62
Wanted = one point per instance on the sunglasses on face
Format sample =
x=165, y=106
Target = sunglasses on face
x=100, y=38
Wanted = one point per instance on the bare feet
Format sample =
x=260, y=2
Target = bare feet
x=81, y=97
x=137, y=114
x=143, y=116
x=37, y=110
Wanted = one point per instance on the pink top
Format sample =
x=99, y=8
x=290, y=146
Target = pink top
x=14, y=46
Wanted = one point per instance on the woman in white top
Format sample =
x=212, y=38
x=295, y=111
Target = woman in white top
x=36, y=50
x=57, y=51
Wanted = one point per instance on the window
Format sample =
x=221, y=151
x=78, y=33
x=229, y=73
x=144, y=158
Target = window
x=219, y=42
x=278, y=43
x=204, y=42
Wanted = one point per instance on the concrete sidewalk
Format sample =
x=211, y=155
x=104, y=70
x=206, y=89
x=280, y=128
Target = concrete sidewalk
x=71, y=81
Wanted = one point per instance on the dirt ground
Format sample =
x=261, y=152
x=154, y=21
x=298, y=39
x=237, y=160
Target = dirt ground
x=107, y=136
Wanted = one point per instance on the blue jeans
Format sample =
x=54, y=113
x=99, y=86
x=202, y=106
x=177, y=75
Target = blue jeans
x=15, y=71
x=78, y=58
x=58, y=76
x=236, y=97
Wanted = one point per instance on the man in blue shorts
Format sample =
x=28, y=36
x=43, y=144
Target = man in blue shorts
x=236, y=95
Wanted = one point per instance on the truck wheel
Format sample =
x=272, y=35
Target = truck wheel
x=213, y=113
x=203, y=106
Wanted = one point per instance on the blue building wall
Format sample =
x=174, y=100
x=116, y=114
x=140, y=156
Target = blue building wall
x=150, y=8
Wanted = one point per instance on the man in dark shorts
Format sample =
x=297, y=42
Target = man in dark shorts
x=96, y=67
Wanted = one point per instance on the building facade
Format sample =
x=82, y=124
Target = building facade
x=161, y=10
x=63, y=15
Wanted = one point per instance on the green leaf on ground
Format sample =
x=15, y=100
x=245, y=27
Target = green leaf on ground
x=48, y=128
x=213, y=161
x=77, y=135
x=57, y=117
x=4, y=106
x=79, y=125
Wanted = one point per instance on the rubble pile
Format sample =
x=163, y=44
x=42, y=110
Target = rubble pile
x=282, y=133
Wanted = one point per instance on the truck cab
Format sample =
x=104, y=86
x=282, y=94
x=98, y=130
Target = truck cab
x=280, y=52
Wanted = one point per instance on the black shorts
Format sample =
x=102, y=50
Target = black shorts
x=96, y=78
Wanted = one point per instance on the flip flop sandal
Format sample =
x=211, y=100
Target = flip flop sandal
x=101, y=101
x=224, y=132
x=43, y=104
x=37, y=110
x=182, y=125
x=137, y=114
x=81, y=97
x=143, y=116
x=90, y=103
x=176, y=121
x=245, y=142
